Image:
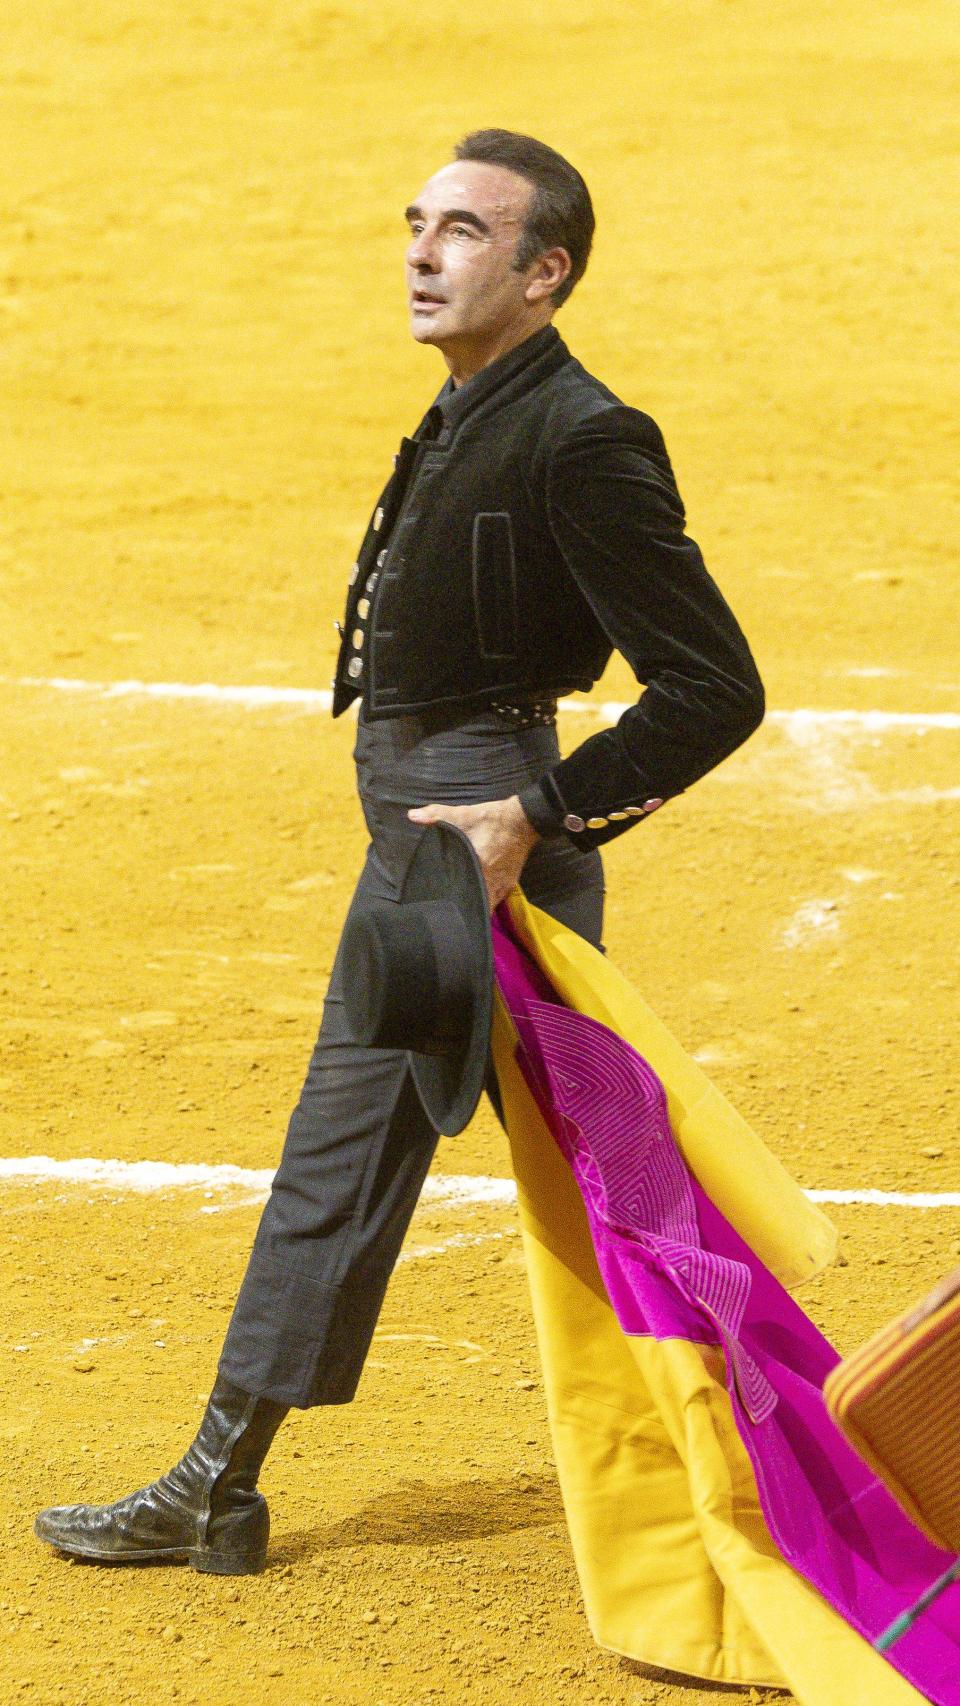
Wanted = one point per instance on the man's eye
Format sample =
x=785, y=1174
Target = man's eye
x=461, y=230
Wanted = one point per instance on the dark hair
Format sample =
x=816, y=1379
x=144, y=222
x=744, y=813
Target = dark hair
x=560, y=213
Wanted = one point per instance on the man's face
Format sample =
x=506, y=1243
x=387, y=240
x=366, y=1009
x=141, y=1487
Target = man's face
x=464, y=226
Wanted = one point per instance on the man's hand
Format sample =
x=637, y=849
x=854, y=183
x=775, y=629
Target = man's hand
x=502, y=836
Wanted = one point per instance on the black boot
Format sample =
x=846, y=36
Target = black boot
x=206, y=1511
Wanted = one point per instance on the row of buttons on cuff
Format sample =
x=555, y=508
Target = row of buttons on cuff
x=576, y=824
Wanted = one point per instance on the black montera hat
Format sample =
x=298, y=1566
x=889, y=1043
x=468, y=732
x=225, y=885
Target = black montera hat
x=418, y=975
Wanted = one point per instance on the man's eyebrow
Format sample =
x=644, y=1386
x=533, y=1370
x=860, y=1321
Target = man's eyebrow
x=459, y=215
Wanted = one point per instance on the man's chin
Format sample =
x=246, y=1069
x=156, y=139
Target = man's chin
x=424, y=331
x=433, y=328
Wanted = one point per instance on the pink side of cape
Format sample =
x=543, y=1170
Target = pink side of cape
x=674, y=1267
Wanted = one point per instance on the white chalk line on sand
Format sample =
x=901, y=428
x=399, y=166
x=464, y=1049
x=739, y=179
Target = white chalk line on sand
x=441, y=1190
x=255, y=697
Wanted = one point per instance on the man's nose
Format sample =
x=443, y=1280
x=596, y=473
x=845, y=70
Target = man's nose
x=422, y=252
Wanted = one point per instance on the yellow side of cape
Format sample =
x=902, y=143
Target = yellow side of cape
x=675, y=1561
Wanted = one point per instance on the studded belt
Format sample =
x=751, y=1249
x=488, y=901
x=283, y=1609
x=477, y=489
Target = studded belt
x=525, y=713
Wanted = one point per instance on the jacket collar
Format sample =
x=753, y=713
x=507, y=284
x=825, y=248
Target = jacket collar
x=542, y=351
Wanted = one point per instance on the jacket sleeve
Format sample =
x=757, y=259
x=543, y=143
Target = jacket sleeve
x=616, y=515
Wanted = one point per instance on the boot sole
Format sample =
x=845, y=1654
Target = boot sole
x=198, y=1557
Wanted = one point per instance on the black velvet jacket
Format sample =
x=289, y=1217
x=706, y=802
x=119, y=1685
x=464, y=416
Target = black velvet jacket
x=532, y=524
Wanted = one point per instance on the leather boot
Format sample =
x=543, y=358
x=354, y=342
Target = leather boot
x=206, y=1511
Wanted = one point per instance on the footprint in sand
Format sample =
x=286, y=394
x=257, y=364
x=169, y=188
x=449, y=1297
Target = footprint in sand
x=316, y=880
x=715, y=1054
x=295, y=892
x=462, y=1350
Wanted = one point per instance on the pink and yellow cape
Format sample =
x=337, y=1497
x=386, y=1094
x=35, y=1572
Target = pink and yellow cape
x=721, y=1527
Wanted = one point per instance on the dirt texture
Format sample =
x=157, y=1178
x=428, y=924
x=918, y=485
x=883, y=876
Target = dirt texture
x=206, y=370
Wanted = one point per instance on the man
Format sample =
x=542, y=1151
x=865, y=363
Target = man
x=531, y=525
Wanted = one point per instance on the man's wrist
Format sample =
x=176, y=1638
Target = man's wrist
x=520, y=821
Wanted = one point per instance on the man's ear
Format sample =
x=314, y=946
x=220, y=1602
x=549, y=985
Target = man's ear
x=551, y=268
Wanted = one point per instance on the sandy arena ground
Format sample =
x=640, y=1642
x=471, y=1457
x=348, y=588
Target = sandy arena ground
x=206, y=371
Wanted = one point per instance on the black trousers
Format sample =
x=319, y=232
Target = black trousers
x=359, y=1145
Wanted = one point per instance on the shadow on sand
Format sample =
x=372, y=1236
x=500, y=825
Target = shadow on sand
x=425, y=1513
